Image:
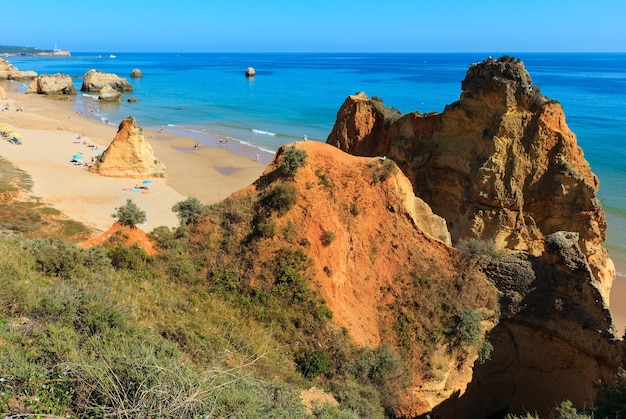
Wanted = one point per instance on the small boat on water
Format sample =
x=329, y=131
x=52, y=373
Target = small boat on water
x=111, y=56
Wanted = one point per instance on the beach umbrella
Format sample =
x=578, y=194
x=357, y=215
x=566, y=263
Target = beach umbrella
x=77, y=156
x=147, y=181
x=16, y=135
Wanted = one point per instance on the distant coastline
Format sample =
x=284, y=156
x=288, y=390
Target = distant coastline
x=13, y=51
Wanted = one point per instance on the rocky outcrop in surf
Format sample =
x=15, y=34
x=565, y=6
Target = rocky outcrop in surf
x=52, y=84
x=95, y=80
x=129, y=155
x=109, y=94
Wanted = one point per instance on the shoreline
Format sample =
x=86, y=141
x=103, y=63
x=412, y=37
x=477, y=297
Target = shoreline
x=50, y=128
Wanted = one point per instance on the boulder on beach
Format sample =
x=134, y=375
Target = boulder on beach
x=250, y=72
x=129, y=154
x=136, y=73
x=109, y=94
x=52, y=84
x=95, y=80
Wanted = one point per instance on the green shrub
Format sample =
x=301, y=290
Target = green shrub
x=323, y=177
x=328, y=411
x=293, y=159
x=327, y=238
x=485, y=352
x=313, y=363
x=611, y=400
x=282, y=198
x=266, y=227
x=124, y=257
x=63, y=259
x=467, y=329
x=189, y=210
x=129, y=214
x=382, y=170
x=354, y=209
x=364, y=400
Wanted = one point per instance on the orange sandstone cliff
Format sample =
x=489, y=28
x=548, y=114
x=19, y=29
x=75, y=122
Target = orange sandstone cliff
x=129, y=154
x=499, y=164
x=383, y=263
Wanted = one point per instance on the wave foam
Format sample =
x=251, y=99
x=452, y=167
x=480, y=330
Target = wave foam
x=258, y=131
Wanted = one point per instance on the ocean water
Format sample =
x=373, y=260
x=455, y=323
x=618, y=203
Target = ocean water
x=295, y=94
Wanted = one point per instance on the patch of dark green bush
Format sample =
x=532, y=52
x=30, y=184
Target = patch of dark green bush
x=313, y=363
x=293, y=159
x=611, y=400
x=189, y=210
x=484, y=354
x=63, y=259
x=467, y=329
x=327, y=238
x=266, y=227
x=382, y=170
x=282, y=198
x=354, y=209
x=124, y=257
x=323, y=177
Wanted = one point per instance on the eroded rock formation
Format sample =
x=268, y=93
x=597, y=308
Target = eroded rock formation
x=95, y=80
x=502, y=165
x=52, y=84
x=136, y=73
x=129, y=154
x=498, y=164
x=9, y=72
x=554, y=340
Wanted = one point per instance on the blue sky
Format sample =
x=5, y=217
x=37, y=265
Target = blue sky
x=317, y=26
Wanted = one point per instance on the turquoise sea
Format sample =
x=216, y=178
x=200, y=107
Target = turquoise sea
x=299, y=94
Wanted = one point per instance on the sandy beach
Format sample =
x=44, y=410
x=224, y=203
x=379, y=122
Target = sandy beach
x=52, y=132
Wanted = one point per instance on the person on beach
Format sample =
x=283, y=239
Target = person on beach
x=304, y=138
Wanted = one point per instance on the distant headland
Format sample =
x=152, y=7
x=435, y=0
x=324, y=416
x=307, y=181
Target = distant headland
x=6, y=51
